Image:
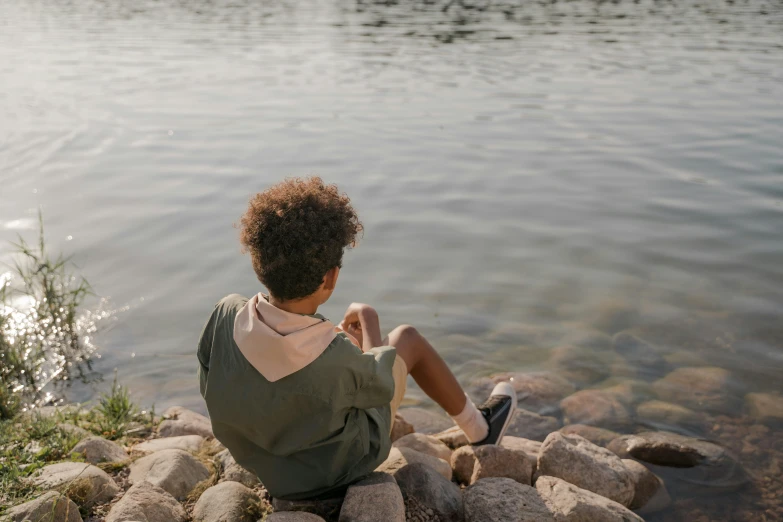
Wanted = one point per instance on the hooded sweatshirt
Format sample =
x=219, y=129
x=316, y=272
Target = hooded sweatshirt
x=293, y=400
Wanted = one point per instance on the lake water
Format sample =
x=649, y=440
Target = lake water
x=530, y=174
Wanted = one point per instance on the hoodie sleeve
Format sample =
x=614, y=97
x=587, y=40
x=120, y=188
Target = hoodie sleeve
x=374, y=378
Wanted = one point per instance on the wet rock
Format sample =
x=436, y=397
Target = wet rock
x=588, y=338
x=582, y=463
x=627, y=391
x=190, y=443
x=703, y=389
x=539, y=392
x=578, y=365
x=666, y=414
x=424, y=444
x=453, y=437
x=765, y=407
x=598, y=436
x=504, y=500
x=569, y=503
x=377, y=497
x=401, y=457
x=226, y=502
x=149, y=503
x=428, y=487
x=96, y=450
x=533, y=426
x=293, y=516
x=328, y=509
x=233, y=472
x=471, y=464
x=174, y=470
x=594, y=407
x=74, y=430
x=696, y=465
x=640, y=354
x=613, y=316
x=529, y=447
x=400, y=428
x=180, y=421
x=49, y=507
x=83, y=483
x=426, y=421
x=650, y=493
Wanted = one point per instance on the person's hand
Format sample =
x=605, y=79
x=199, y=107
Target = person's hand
x=361, y=321
x=354, y=315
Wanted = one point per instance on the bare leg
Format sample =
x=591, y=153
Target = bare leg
x=427, y=368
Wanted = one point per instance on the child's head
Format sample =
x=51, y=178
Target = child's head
x=296, y=232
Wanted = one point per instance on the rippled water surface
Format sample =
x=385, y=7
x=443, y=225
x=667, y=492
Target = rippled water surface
x=530, y=174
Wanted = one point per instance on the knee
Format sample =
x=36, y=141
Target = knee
x=407, y=331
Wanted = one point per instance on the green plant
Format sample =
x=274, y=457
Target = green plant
x=116, y=410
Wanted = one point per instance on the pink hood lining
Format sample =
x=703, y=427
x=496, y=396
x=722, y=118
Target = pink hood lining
x=279, y=343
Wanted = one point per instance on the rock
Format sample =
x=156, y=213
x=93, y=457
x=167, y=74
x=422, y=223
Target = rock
x=588, y=338
x=703, y=389
x=539, y=392
x=427, y=487
x=83, y=483
x=231, y=471
x=376, y=497
x=582, y=463
x=190, y=443
x=598, y=436
x=96, y=450
x=497, y=461
x=527, y=446
x=640, y=354
x=453, y=437
x=627, y=391
x=463, y=460
x=149, y=503
x=226, y=502
x=579, y=365
x=400, y=457
x=765, y=407
x=594, y=407
x=661, y=414
x=612, y=316
x=533, y=426
x=180, y=421
x=74, y=430
x=293, y=516
x=569, y=503
x=504, y=500
x=696, y=465
x=426, y=421
x=400, y=428
x=174, y=470
x=650, y=493
x=328, y=509
x=49, y=507
x=424, y=444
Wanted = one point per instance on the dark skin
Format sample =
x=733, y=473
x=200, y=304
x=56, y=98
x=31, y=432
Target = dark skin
x=361, y=322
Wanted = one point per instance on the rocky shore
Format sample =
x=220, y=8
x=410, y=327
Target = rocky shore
x=584, y=471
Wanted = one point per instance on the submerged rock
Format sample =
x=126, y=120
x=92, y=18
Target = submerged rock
x=579, y=365
x=426, y=421
x=582, y=463
x=181, y=421
x=504, y=500
x=533, y=426
x=702, y=389
x=598, y=436
x=233, y=472
x=401, y=457
x=539, y=392
x=228, y=501
x=96, y=450
x=765, y=407
x=640, y=354
x=377, y=497
x=83, y=483
x=148, y=503
x=174, y=470
x=49, y=507
x=569, y=503
x=427, y=487
x=191, y=443
x=660, y=413
x=424, y=444
x=594, y=407
x=650, y=494
x=400, y=428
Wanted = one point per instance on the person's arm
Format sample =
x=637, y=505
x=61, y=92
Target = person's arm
x=361, y=321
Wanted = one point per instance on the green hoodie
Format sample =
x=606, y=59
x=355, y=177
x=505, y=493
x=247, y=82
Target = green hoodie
x=295, y=402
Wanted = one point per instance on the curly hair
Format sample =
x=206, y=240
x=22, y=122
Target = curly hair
x=296, y=231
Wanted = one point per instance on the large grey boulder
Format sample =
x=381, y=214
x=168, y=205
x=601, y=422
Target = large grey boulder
x=190, y=443
x=426, y=421
x=650, y=494
x=504, y=500
x=423, y=486
x=598, y=436
x=595, y=408
x=181, y=421
x=225, y=502
x=231, y=471
x=96, y=450
x=374, y=498
x=49, y=507
x=704, y=388
x=424, y=444
x=401, y=457
x=471, y=464
x=582, y=463
x=530, y=425
x=292, y=516
x=400, y=428
x=765, y=407
x=569, y=503
x=148, y=503
x=84, y=483
x=174, y=470
x=539, y=392
x=696, y=465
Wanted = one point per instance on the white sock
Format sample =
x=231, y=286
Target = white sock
x=472, y=422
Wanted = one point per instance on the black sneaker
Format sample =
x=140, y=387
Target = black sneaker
x=498, y=410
